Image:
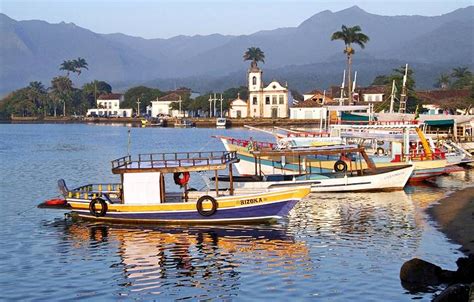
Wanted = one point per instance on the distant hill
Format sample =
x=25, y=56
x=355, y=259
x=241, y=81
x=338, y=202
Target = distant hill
x=304, y=56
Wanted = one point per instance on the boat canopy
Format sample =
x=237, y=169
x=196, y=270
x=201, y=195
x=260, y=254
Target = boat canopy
x=174, y=162
x=440, y=123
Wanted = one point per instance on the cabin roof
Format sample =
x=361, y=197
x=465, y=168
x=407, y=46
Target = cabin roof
x=174, y=162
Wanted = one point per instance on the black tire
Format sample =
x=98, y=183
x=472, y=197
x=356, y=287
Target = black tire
x=340, y=166
x=103, y=207
x=380, y=151
x=200, y=209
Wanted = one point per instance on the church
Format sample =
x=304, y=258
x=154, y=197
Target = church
x=269, y=101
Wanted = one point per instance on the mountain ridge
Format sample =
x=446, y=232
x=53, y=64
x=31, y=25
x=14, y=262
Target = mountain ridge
x=34, y=49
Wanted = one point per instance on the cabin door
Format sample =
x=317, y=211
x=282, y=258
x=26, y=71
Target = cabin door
x=239, y=114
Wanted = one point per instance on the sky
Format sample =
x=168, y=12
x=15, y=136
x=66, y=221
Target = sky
x=168, y=18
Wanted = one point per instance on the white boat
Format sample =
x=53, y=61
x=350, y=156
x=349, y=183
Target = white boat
x=346, y=178
x=221, y=122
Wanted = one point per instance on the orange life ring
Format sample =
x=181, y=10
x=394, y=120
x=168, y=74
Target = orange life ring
x=181, y=181
x=55, y=202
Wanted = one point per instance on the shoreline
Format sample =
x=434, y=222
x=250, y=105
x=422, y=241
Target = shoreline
x=454, y=216
x=199, y=122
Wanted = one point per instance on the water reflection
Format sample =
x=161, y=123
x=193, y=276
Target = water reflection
x=194, y=262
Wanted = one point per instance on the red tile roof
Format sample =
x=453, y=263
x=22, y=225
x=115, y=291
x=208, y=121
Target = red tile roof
x=110, y=96
x=440, y=96
x=173, y=97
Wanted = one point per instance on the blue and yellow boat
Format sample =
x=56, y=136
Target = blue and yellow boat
x=142, y=197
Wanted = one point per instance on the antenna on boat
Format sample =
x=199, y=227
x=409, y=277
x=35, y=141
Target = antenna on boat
x=128, y=145
x=403, y=96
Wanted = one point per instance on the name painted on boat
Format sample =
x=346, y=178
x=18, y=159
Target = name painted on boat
x=251, y=201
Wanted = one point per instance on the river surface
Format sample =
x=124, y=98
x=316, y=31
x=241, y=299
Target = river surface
x=332, y=247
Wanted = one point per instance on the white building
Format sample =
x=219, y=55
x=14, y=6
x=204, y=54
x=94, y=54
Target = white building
x=238, y=108
x=108, y=105
x=270, y=101
x=312, y=107
x=162, y=106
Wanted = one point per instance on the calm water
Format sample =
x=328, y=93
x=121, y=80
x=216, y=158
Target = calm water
x=333, y=247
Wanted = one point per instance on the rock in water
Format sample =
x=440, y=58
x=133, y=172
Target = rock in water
x=454, y=293
x=418, y=272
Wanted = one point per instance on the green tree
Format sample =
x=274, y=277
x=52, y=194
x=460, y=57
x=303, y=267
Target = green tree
x=145, y=94
x=37, y=94
x=61, y=92
x=463, y=78
x=68, y=66
x=381, y=80
x=79, y=64
x=443, y=81
x=255, y=55
x=350, y=36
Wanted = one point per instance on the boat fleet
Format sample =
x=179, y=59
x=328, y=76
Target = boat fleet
x=272, y=176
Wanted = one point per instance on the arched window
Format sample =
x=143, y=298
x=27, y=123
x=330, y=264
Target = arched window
x=254, y=80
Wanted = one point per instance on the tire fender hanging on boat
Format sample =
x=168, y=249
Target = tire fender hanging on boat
x=93, y=209
x=340, y=166
x=200, y=208
x=181, y=181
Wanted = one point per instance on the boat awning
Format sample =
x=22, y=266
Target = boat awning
x=440, y=123
x=350, y=117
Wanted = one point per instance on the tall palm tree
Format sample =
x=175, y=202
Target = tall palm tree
x=255, y=55
x=350, y=35
x=443, y=81
x=68, y=66
x=79, y=63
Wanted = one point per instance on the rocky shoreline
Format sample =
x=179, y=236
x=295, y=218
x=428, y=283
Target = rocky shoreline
x=454, y=215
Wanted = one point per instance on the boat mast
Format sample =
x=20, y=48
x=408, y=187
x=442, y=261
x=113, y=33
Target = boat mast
x=341, y=98
x=392, y=96
x=403, y=96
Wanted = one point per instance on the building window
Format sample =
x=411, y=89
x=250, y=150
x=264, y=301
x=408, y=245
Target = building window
x=267, y=100
x=369, y=98
x=254, y=80
x=281, y=99
x=254, y=101
x=274, y=100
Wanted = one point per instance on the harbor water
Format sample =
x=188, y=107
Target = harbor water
x=332, y=247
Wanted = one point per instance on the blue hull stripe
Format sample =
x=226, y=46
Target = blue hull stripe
x=279, y=209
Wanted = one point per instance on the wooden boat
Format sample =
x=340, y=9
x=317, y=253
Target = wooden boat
x=140, y=197
x=348, y=178
x=428, y=163
x=183, y=123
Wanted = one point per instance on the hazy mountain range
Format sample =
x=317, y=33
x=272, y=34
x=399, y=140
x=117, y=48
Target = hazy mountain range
x=303, y=56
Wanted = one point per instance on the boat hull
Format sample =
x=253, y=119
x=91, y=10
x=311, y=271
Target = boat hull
x=423, y=170
x=234, y=209
x=391, y=179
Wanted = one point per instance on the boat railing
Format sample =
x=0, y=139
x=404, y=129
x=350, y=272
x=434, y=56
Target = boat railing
x=91, y=191
x=251, y=144
x=174, y=159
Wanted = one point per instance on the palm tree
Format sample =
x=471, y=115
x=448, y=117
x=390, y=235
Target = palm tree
x=61, y=90
x=79, y=64
x=68, y=66
x=255, y=55
x=350, y=35
x=36, y=93
x=443, y=81
x=460, y=72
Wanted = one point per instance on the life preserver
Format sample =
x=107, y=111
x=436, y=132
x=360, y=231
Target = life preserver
x=93, y=209
x=340, y=166
x=181, y=181
x=55, y=202
x=380, y=151
x=200, y=209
